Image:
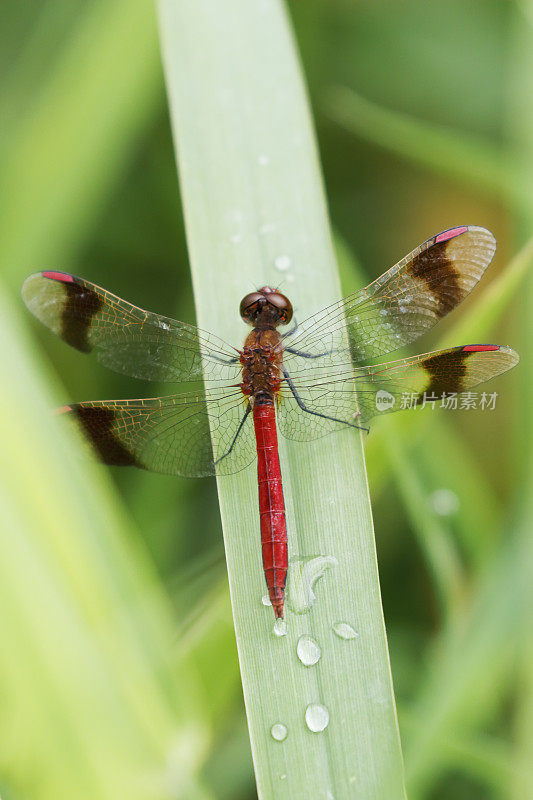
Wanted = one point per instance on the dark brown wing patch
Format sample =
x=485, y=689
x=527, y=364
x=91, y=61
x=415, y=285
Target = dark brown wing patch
x=98, y=423
x=446, y=373
x=438, y=272
x=80, y=307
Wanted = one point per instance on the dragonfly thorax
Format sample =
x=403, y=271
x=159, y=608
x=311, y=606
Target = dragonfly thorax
x=261, y=359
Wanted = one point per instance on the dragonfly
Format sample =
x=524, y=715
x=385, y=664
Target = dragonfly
x=314, y=378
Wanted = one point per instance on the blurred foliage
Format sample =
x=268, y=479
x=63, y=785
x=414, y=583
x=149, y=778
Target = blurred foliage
x=424, y=116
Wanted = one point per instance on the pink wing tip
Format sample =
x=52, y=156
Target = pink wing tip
x=480, y=348
x=450, y=234
x=58, y=276
x=62, y=409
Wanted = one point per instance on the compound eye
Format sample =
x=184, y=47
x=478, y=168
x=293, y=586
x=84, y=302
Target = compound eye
x=251, y=305
x=282, y=305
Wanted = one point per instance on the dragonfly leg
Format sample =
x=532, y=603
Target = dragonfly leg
x=224, y=360
x=302, y=354
x=302, y=405
x=239, y=429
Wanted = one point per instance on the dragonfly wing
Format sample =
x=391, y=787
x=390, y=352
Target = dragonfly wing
x=170, y=434
x=126, y=338
x=357, y=396
x=400, y=305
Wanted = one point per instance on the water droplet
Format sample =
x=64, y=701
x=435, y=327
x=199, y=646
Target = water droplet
x=444, y=502
x=235, y=238
x=308, y=650
x=329, y=796
x=263, y=160
x=266, y=600
x=267, y=228
x=352, y=779
x=280, y=627
x=316, y=717
x=282, y=777
x=282, y=263
x=303, y=574
x=279, y=731
x=384, y=312
x=344, y=631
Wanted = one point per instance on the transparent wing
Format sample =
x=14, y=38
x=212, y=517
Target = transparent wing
x=170, y=434
x=330, y=403
x=399, y=306
x=126, y=338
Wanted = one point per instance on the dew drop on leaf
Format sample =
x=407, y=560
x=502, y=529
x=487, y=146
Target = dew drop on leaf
x=282, y=263
x=308, y=651
x=303, y=574
x=316, y=717
x=279, y=731
x=344, y=631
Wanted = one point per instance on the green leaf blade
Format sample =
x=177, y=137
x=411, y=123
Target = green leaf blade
x=255, y=213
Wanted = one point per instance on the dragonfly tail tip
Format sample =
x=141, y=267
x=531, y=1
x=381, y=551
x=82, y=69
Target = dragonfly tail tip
x=278, y=608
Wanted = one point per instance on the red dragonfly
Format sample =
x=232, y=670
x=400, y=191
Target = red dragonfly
x=317, y=368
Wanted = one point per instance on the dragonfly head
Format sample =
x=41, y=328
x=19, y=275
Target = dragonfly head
x=266, y=307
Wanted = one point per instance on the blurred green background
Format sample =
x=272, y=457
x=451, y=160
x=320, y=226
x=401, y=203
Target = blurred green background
x=118, y=674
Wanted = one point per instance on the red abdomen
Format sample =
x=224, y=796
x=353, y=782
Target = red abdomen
x=271, y=505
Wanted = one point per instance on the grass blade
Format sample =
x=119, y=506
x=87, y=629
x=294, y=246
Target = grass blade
x=254, y=202
x=452, y=154
x=90, y=696
x=520, y=125
x=434, y=537
x=58, y=162
x=458, y=689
